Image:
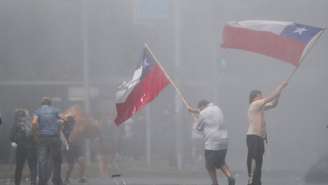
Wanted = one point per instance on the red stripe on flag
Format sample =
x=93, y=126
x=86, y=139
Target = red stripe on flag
x=144, y=92
x=266, y=43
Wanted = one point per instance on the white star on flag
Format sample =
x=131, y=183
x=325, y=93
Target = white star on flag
x=300, y=30
x=146, y=63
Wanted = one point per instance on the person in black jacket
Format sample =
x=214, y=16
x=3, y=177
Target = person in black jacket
x=21, y=138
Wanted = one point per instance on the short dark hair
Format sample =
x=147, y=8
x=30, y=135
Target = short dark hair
x=203, y=103
x=46, y=101
x=253, y=94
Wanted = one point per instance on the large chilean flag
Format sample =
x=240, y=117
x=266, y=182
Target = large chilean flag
x=286, y=41
x=147, y=82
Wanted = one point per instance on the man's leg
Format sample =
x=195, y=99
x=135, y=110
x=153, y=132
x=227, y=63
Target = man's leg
x=82, y=166
x=43, y=162
x=20, y=160
x=210, y=166
x=227, y=172
x=254, y=159
x=81, y=156
x=57, y=161
x=70, y=167
x=251, y=166
x=32, y=163
x=70, y=160
x=258, y=170
x=251, y=162
x=212, y=174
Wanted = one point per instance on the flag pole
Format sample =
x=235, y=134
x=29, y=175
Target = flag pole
x=168, y=77
x=305, y=54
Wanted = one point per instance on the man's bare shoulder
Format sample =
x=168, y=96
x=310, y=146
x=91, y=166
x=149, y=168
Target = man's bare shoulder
x=257, y=105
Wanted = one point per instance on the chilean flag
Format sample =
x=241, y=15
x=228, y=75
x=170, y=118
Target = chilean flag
x=286, y=41
x=147, y=82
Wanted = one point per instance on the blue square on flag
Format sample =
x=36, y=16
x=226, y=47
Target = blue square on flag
x=300, y=32
x=283, y=40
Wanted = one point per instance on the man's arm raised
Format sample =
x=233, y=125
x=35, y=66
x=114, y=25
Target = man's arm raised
x=272, y=104
x=272, y=100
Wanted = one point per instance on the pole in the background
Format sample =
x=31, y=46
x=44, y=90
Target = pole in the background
x=179, y=96
x=178, y=107
x=84, y=34
x=148, y=136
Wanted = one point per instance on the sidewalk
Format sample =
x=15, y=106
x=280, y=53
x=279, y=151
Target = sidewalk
x=137, y=173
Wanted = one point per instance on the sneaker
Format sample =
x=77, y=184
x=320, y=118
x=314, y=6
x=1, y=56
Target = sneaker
x=231, y=181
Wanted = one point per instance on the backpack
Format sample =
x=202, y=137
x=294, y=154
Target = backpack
x=23, y=131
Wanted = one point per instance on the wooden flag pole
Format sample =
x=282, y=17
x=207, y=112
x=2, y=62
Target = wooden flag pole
x=308, y=51
x=168, y=77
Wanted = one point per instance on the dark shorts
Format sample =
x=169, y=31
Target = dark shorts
x=215, y=158
x=255, y=145
x=75, y=152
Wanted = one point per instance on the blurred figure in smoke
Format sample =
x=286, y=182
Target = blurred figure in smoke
x=47, y=132
x=257, y=134
x=102, y=148
x=22, y=140
x=210, y=125
x=86, y=128
x=77, y=149
x=75, y=127
x=129, y=141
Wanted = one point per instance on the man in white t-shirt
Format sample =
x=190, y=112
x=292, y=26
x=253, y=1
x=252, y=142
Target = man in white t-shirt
x=256, y=133
x=210, y=125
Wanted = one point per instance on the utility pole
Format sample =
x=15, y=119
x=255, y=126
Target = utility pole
x=84, y=35
x=148, y=135
x=178, y=103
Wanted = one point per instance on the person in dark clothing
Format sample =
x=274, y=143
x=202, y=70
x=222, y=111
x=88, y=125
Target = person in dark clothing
x=21, y=138
x=76, y=152
x=47, y=131
x=68, y=126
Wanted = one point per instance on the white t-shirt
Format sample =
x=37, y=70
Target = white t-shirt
x=210, y=125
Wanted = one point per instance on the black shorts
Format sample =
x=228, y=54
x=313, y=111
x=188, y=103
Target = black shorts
x=75, y=152
x=215, y=158
x=255, y=145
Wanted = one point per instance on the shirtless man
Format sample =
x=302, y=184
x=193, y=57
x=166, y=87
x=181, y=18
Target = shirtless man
x=256, y=134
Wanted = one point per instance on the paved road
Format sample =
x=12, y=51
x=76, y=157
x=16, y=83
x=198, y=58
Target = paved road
x=149, y=180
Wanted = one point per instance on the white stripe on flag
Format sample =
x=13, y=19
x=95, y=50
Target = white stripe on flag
x=260, y=25
x=126, y=87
